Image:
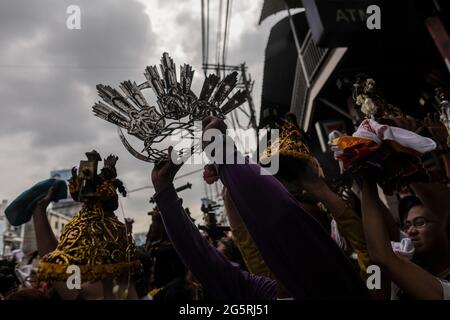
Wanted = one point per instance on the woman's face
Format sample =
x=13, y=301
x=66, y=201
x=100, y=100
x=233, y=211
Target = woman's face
x=425, y=230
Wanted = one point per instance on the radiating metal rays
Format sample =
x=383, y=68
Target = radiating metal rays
x=177, y=107
x=154, y=155
x=235, y=101
x=225, y=87
x=208, y=87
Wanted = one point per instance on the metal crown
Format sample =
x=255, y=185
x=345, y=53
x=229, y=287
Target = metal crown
x=177, y=106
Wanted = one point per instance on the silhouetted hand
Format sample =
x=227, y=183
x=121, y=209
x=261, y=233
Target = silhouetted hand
x=164, y=172
x=42, y=204
x=212, y=123
x=210, y=174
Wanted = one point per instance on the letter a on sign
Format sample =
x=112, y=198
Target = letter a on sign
x=74, y=280
x=374, y=280
x=74, y=19
x=374, y=20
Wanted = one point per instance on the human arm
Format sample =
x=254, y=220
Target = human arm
x=293, y=244
x=253, y=259
x=45, y=238
x=220, y=278
x=414, y=280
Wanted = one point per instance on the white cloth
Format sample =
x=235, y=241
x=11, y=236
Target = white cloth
x=404, y=248
x=336, y=236
x=334, y=135
x=445, y=289
x=372, y=130
x=23, y=273
x=335, y=149
x=17, y=256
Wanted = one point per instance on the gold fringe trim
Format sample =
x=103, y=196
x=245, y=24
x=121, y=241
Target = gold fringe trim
x=58, y=272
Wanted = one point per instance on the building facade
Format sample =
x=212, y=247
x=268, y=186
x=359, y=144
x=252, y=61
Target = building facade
x=11, y=237
x=322, y=49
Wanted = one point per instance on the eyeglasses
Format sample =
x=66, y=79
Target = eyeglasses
x=418, y=223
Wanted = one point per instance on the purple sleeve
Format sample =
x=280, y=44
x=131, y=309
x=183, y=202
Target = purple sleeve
x=293, y=244
x=218, y=276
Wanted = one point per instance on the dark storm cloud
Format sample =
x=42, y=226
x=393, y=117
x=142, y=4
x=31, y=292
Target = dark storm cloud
x=48, y=76
x=49, y=72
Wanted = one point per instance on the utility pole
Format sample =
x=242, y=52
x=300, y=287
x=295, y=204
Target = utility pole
x=248, y=89
x=244, y=83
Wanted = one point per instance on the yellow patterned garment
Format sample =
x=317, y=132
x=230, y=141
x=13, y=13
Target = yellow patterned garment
x=290, y=144
x=98, y=245
x=351, y=228
x=349, y=224
x=253, y=259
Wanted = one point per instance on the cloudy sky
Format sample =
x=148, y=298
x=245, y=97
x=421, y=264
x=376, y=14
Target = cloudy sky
x=48, y=75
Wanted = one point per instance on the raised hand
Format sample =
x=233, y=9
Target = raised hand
x=42, y=205
x=212, y=123
x=164, y=172
x=210, y=174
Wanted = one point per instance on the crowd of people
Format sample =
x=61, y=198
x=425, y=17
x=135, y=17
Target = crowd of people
x=294, y=235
